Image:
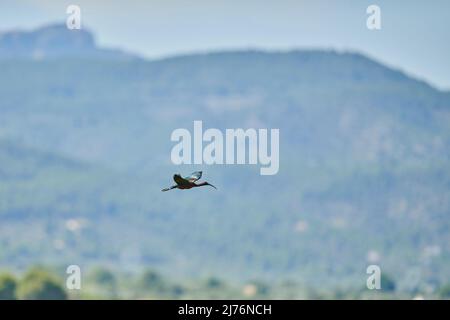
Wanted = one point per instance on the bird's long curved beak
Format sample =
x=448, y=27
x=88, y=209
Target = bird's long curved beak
x=209, y=184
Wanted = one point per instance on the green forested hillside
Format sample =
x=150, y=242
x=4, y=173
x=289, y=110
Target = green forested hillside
x=364, y=167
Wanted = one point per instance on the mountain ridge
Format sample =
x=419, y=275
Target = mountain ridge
x=52, y=41
x=56, y=40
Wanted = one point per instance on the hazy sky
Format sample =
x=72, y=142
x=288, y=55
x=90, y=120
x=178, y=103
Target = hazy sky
x=415, y=34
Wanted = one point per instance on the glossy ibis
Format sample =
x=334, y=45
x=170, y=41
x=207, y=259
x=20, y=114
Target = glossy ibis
x=188, y=182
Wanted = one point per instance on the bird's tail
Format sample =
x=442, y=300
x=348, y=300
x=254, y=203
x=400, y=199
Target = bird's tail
x=167, y=189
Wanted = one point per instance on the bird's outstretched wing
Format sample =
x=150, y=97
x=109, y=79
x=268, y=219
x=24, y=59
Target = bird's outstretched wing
x=194, y=176
x=179, y=180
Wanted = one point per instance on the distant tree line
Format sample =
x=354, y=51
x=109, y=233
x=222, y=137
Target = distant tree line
x=35, y=284
x=39, y=283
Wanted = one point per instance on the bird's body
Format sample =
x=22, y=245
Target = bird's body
x=188, y=182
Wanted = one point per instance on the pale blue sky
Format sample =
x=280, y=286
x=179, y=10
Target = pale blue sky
x=415, y=35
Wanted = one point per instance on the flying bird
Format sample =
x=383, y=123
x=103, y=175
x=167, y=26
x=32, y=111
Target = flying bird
x=188, y=182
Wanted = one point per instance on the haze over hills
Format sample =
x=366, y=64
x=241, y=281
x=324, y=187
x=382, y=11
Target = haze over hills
x=85, y=150
x=54, y=41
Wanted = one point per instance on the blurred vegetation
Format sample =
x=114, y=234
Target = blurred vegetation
x=101, y=283
x=40, y=284
x=444, y=291
x=35, y=284
x=8, y=286
x=387, y=283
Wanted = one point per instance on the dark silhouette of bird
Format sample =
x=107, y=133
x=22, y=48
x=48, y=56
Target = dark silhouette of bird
x=188, y=182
